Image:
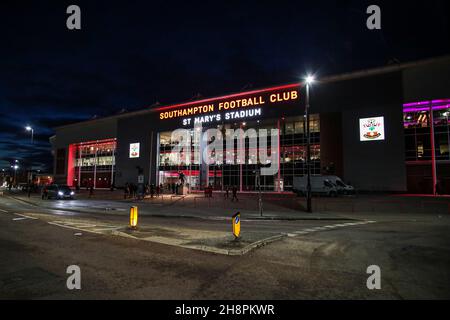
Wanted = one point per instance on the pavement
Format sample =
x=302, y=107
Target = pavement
x=183, y=250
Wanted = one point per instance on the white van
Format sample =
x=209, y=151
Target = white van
x=341, y=186
x=320, y=185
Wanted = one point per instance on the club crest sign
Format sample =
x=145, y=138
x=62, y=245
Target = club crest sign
x=371, y=129
x=134, y=150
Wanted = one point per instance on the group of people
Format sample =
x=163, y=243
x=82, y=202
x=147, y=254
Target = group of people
x=139, y=191
x=234, y=191
x=174, y=187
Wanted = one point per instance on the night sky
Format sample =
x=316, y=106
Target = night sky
x=131, y=54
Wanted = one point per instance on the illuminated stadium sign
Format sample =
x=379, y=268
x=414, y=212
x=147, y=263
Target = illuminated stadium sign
x=231, y=107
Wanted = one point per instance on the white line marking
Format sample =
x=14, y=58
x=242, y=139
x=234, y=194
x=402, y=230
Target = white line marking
x=316, y=229
x=70, y=227
x=18, y=219
x=3, y=211
x=106, y=228
x=25, y=217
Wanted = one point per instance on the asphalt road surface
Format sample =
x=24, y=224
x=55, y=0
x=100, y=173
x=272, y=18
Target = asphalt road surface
x=413, y=253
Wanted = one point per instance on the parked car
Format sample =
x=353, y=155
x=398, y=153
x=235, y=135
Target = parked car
x=320, y=185
x=57, y=191
x=23, y=186
x=341, y=186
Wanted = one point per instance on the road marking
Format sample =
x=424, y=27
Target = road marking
x=83, y=226
x=25, y=217
x=107, y=228
x=18, y=219
x=329, y=227
x=3, y=211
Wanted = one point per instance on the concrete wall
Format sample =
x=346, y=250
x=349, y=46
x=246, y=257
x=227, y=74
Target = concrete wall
x=374, y=165
x=137, y=129
x=82, y=132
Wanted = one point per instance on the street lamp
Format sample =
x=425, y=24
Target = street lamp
x=30, y=173
x=308, y=80
x=15, y=167
x=28, y=128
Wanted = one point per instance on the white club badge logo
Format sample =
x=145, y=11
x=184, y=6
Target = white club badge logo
x=371, y=129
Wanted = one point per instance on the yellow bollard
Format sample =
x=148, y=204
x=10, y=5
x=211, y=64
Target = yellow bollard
x=236, y=221
x=133, y=217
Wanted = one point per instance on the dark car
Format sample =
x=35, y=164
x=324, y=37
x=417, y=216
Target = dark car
x=57, y=191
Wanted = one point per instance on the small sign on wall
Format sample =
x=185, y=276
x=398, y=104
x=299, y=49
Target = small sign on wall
x=134, y=150
x=371, y=129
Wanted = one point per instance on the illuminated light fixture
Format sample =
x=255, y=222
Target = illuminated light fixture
x=28, y=128
x=133, y=217
x=309, y=79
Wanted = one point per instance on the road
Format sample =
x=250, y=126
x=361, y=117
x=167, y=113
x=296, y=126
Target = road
x=413, y=253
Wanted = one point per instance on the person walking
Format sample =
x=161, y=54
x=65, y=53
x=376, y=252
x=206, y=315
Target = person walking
x=227, y=192
x=210, y=190
x=91, y=191
x=44, y=193
x=126, y=191
x=152, y=190
x=235, y=194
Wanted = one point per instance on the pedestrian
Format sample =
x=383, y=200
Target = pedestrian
x=158, y=190
x=152, y=190
x=44, y=193
x=234, y=194
x=227, y=192
x=210, y=191
x=173, y=187
x=177, y=186
x=134, y=189
x=126, y=191
x=91, y=191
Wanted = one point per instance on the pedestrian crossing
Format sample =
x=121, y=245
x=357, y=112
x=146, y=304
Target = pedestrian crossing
x=328, y=227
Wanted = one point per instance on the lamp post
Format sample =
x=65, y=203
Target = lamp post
x=30, y=173
x=15, y=167
x=28, y=128
x=309, y=80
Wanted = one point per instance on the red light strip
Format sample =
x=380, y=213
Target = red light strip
x=96, y=142
x=288, y=86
